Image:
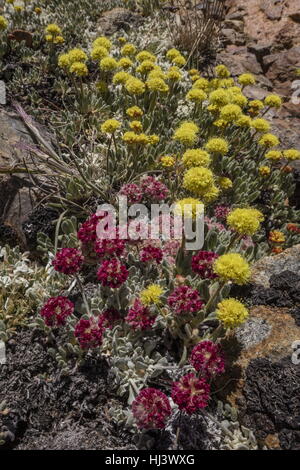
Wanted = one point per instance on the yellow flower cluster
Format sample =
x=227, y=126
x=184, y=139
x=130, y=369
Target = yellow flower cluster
x=260, y=125
x=189, y=208
x=291, y=154
x=53, y=34
x=268, y=140
x=245, y=221
x=231, y=313
x=3, y=23
x=273, y=101
x=110, y=126
x=186, y=133
x=132, y=138
x=232, y=267
x=217, y=145
x=151, y=295
x=134, y=112
x=196, y=157
x=246, y=79
x=135, y=86
x=197, y=180
x=74, y=62
x=167, y=161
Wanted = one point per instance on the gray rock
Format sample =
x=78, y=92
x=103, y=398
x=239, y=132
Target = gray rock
x=116, y=19
x=289, y=260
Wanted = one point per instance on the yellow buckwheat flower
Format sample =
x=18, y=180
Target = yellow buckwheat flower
x=134, y=86
x=189, y=208
x=151, y=295
x=196, y=95
x=128, y=49
x=219, y=97
x=145, y=55
x=231, y=313
x=3, y=23
x=239, y=99
x=108, y=64
x=186, y=133
x=211, y=194
x=197, y=180
x=136, y=126
x=134, y=112
x=256, y=105
x=268, y=140
x=79, y=69
x=172, y=53
x=99, y=53
x=53, y=29
x=232, y=267
x=222, y=71
x=196, y=157
x=77, y=55
x=291, y=154
x=179, y=60
x=243, y=121
x=276, y=236
x=230, y=112
x=264, y=170
x=153, y=139
x=120, y=77
x=102, y=42
x=64, y=61
x=174, y=74
x=225, y=183
x=157, y=84
x=260, y=124
x=274, y=101
x=246, y=79
x=217, y=145
x=58, y=40
x=167, y=161
x=110, y=126
x=245, y=221
x=125, y=63
x=273, y=155
x=201, y=83
x=145, y=66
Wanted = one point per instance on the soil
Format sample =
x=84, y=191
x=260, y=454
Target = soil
x=45, y=409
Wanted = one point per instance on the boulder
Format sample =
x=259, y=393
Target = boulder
x=19, y=192
x=116, y=19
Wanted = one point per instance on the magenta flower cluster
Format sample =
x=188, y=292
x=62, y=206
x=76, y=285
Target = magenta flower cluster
x=133, y=192
x=207, y=359
x=154, y=189
x=149, y=188
x=221, y=212
x=151, y=409
x=87, y=232
x=185, y=300
x=190, y=393
x=112, y=273
x=68, y=261
x=109, y=247
x=89, y=332
x=202, y=264
x=139, y=317
x=56, y=310
x=109, y=317
x=151, y=253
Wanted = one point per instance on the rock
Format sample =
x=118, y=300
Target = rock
x=273, y=9
x=264, y=377
x=116, y=19
x=289, y=260
x=18, y=191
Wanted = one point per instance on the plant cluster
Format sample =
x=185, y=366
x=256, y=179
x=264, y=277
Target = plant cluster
x=138, y=123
